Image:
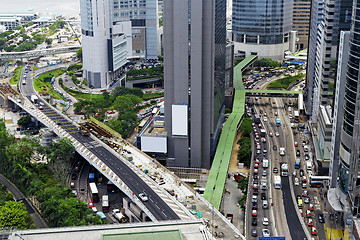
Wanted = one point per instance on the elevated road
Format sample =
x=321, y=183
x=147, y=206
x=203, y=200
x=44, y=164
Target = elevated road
x=116, y=168
x=37, y=53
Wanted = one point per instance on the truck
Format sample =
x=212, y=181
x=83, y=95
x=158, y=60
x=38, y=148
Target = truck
x=257, y=119
x=297, y=163
x=282, y=151
x=308, y=165
x=277, y=182
x=284, y=169
x=265, y=163
x=262, y=132
x=118, y=215
x=34, y=98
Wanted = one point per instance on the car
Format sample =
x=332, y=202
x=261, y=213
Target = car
x=253, y=124
x=303, y=185
x=301, y=173
x=91, y=205
x=76, y=169
x=254, y=233
x=256, y=191
x=275, y=170
x=313, y=231
x=277, y=134
x=255, y=186
x=261, y=111
x=257, y=136
x=256, y=181
x=256, y=165
x=263, y=140
x=303, y=143
x=304, y=179
x=256, y=171
x=254, y=199
x=271, y=134
x=265, y=114
x=72, y=184
x=296, y=181
x=310, y=223
x=274, y=147
x=74, y=192
x=255, y=176
x=321, y=218
x=265, y=221
x=265, y=119
x=263, y=196
x=254, y=206
x=305, y=193
x=308, y=213
x=296, y=144
x=258, y=151
x=301, y=212
x=259, y=125
x=257, y=161
x=143, y=196
x=307, y=157
x=254, y=221
x=254, y=213
x=307, y=200
x=275, y=113
x=264, y=150
x=297, y=152
x=265, y=204
x=294, y=173
x=266, y=233
x=94, y=209
x=290, y=116
x=264, y=172
x=73, y=176
x=311, y=207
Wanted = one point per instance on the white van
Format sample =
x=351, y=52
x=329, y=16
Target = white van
x=308, y=165
x=306, y=148
x=282, y=151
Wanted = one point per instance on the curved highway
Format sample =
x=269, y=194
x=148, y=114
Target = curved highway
x=157, y=206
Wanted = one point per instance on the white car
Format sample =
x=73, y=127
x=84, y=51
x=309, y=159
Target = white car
x=277, y=134
x=265, y=221
x=296, y=182
x=143, y=197
x=265, y=119
x=266, y=233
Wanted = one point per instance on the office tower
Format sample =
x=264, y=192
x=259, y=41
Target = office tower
x=143, y=15
x=348, y=174
x=337, y=17
x=262, y=27
x=301, y=20
x=338, y=105
x=105, y=42
x=194, y=58
x=112, y=32
x=315, y=21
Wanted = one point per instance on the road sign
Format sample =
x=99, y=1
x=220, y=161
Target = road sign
x=271, y=238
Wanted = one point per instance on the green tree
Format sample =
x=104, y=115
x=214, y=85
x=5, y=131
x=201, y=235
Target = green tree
x=246, y=127
x=48, y=41
x=24, y=121
x=243, y=184
x=79, y=53
x=14, y=214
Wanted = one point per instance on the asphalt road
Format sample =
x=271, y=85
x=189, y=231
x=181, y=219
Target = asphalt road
x=155, y=205
x=19, y=196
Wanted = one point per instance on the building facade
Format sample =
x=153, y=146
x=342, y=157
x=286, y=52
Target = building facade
x=348, y=180
x=194, y=64
x=337, y=17
x=301, y=22
x=317, y=12
x=262, y=28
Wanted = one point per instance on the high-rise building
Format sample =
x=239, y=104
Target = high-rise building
x=316, y=19
x=105, y=42
x=112, y=32
x=337, y=17
x=262, y=27
x=301, y=20
x=194, y=58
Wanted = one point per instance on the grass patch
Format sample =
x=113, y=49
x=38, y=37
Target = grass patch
x=17, y=74
x=43, y=83
x=83, y=96
x=148, y=96
x=47, y=76
x=285, y=82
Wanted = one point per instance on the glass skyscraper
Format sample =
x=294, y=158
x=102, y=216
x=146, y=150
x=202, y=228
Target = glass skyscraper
x=262, y=22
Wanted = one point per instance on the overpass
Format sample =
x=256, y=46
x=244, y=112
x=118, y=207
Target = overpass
x=37, y=53
x=219, y=169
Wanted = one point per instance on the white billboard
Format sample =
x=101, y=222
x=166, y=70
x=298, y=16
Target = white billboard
x=154, y=144
x=180, y=120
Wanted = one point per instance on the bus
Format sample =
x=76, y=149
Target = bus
x=316, y=184
x=296, y=116
x=105, y=203
x=94, y=192
x=278, y=122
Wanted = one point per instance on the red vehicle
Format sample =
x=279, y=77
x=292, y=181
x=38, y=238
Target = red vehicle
x=308, y=214
x=310, y=223
x=313, y=231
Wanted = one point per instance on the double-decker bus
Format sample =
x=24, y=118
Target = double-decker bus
x=105, y=203
x=94, y=192
x=296, y=116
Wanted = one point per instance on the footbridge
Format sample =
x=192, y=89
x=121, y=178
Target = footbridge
x=37, y=53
